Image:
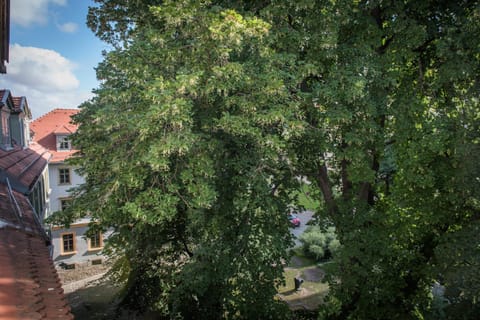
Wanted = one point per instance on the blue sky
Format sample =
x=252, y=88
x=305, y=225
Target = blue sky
x=52, y=54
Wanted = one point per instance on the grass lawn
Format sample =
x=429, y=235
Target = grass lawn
x=312, y=291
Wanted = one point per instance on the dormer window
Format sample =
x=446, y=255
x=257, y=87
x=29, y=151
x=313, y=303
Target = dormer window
x=63, y=143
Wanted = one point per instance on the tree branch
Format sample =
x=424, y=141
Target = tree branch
x=323, y=182
x=185, y=247
x=346, y=183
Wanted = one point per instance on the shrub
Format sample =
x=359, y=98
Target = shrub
x=319, y=243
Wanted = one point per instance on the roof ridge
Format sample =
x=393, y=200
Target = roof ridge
x=62, y=127
x=52, y=111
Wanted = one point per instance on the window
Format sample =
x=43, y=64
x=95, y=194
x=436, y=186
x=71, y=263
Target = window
x=68, y=243
x=65, y=203
x=63, y=143
x=96, y=262
x=64, y=176
x=95, y=242
x=5, y=129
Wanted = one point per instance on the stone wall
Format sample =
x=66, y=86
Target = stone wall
x=81, y=271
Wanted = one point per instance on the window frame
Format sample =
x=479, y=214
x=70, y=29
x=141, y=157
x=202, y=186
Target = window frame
x=62, y=200
x=100, y=239
x=62, y=243
x=63, y=141
x=69, y=170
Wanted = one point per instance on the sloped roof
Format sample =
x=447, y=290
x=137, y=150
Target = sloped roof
x=66, y=129
x=17, y=212
x=24, y=166
x=14, y=104
x=20, y=105
x=6, y=98
x=3, y=94
x=55, y=122
x=29, y=284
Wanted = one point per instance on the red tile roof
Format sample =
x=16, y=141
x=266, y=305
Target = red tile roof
x=29, y=284
x=24, y=165
x=45, y=129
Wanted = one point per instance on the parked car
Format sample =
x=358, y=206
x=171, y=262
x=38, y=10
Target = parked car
x=294, y=221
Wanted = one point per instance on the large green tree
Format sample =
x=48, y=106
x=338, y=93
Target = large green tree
x=389, y=92
x=209, y=109
x=183, y=150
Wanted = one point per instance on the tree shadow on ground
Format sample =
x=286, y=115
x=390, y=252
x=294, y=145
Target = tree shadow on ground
x=95, y=301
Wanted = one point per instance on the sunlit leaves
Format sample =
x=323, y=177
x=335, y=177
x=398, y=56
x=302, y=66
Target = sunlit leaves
x=181, y=143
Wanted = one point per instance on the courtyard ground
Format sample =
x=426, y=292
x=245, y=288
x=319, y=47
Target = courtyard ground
x=312, y=291
x=97, y=299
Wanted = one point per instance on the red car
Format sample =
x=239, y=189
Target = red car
x=294, y=221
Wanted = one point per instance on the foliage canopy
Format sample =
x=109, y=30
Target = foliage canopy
x=183, y=150
x=209, y=110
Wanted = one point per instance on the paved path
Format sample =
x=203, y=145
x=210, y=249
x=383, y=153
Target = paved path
x=73, y=286
x=304, y=217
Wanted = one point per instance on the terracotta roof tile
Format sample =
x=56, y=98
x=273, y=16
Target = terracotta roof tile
x=66, y=129
x=45, y=129
x=29, y=285
x=24, y=164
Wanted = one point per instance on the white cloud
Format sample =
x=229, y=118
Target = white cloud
x=68, y=27
x=29, y=12
x=45, y=69
x=45, y=77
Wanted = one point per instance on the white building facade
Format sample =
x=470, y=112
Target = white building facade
x=72, y=245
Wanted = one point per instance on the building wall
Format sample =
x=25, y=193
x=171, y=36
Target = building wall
x=82, y=253
x=60, y=191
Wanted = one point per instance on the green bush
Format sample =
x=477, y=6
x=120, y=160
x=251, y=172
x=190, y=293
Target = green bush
x=319, y=243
